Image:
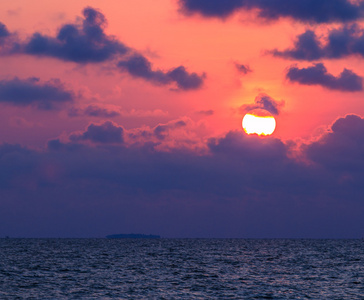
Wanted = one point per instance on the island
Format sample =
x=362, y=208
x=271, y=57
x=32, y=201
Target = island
x=133, y=236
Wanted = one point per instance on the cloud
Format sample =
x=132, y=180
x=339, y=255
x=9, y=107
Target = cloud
x=306, y=47
x=114, y=111
x=82, y=43
x=3, y=31
x=31, y=92
x=182, y=134
x=342, y=148
x=250, y=186
x=139, y=113
x=208, y=112
x=339, y=43
x=140, y=67
x=8, y=40
x=317, y=74
x=308, y=11
x=93, y=111
x=160, y=131
x=263, y=101
x=104, y=133
x=212, y=8
x=87, y=43
x=243, y=69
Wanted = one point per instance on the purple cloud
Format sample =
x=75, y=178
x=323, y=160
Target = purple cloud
x=243, y=69
x=308, y=11
x=341, y=42
x=263, y=101
x=317, y=74
x=78, y=43
x=160, y=131
x=341, y=149
x=249, y=186
x=140, y=67
x=104, y=133
x=88, y=43
x=3, y=32
x=31, y=92
x=93, y=111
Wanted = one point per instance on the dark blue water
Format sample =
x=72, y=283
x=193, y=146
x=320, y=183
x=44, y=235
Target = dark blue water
x=181, y=268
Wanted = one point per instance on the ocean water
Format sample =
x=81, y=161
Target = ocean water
x=181, y=269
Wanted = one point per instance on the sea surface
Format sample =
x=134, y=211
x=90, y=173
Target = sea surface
x=181, y=269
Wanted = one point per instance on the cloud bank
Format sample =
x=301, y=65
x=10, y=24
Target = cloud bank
x=252, y=182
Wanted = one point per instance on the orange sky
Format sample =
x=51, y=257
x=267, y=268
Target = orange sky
x=169, y=39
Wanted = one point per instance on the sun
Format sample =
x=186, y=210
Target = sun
x=260, y=122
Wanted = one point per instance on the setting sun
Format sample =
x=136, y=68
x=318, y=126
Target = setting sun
x=259, y=123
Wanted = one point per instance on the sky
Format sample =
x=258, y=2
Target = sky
x=125, y=117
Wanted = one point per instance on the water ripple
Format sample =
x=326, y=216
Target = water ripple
x=181, y=269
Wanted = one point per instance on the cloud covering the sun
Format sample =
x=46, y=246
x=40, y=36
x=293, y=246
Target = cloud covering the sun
x=245, y=177
x=317, y=74
x=264, y=101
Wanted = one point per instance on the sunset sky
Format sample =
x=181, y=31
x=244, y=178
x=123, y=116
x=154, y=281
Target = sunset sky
x=125, y=117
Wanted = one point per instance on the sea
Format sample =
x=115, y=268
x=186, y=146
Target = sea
x=181, y=269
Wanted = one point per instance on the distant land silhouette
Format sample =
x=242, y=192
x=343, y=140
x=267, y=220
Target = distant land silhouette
x=133, y=236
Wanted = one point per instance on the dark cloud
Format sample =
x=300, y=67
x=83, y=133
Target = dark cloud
x=341, y=149
x=8, y=40
x=93, y=111
x=250, y=186
x=306, y=47
x=26, y=92
x=185, y=80
x=140, y=67
x=244, y=69
x=341, y=42
x=78, y=43
x=263, y=101
x=317, y=74
x=88, y=43
x=104, y=133
x=161, y=131
x=3, y=31
x=249, y=149
x=212, y=8
x=323, y=11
